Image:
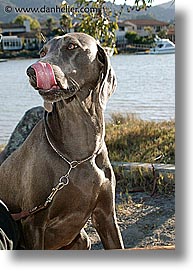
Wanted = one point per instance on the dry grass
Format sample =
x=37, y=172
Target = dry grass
x=134, y=140
x=130, y=139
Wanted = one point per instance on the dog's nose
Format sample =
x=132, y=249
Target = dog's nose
x=32, y=76
x=30, y=71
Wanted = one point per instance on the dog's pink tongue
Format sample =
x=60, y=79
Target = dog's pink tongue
x=44, y=75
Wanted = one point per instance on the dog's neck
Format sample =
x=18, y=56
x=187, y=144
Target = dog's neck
x=75, y=128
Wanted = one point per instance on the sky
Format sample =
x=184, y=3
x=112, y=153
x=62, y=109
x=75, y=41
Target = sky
x=130, y=2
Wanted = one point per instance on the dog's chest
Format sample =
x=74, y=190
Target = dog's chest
x=69, y=213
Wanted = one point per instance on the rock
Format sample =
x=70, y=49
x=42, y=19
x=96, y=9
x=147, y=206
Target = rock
x=22, y=130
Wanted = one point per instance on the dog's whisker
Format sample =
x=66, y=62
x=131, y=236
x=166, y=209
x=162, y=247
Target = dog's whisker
x=74, y=83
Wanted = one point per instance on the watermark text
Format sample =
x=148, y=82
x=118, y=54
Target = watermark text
x=48, y=10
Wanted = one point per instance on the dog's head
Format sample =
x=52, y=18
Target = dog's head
x=71, y=64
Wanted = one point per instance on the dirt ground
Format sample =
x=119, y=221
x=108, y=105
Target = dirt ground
x=143, y=221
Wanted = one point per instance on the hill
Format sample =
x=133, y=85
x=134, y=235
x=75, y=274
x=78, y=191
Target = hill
x=163, y=12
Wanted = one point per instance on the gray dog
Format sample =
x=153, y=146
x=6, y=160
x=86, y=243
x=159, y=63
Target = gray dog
x=61, y=175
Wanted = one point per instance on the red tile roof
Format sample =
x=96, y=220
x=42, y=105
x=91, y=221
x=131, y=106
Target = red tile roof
x=144, y=22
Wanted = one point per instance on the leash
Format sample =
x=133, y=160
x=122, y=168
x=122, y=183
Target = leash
x=63, y=181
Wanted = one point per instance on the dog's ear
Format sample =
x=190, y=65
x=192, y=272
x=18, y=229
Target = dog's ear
x=107, y=80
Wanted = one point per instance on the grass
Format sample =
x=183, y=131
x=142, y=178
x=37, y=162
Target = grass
x=131, y=139
x=140, y=179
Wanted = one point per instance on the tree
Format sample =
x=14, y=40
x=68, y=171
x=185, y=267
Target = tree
x=162, y=34
x=66, y=22
x=149, y=30
x=50, y=23
x=99, y=22
x=141, y=5
x=131, y=37
x=34, y=24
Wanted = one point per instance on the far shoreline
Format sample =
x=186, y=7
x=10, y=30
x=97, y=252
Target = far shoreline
x=19, y=55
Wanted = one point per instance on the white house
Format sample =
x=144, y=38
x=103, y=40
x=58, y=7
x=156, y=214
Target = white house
x=11, y=42
x=140, y=27
x=17, y=37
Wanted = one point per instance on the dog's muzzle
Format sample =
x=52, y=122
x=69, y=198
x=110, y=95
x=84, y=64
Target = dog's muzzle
x=51, y=83
x=42, y=76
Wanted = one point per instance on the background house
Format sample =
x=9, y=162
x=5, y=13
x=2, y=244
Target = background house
x=141, y=27
x=11, y=42
x=171, y=33
x=17, y=37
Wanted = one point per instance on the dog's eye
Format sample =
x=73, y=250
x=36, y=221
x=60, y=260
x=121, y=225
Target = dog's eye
x=72, y=46
x=42, y=54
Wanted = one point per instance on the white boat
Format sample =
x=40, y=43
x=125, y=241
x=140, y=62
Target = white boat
x=162, y=46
